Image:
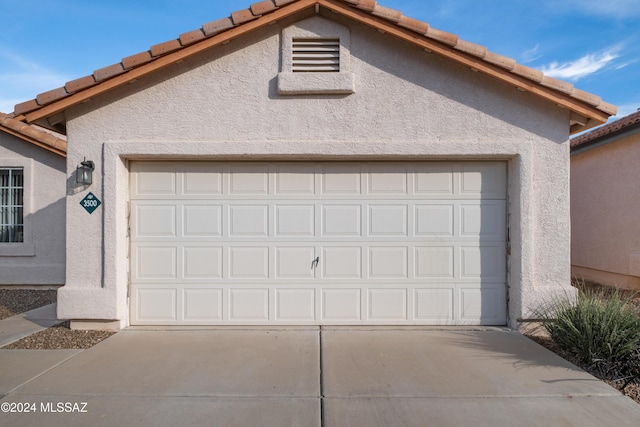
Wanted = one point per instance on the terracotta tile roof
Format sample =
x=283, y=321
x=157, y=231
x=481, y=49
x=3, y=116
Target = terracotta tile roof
x=590, y=108
x=629, y=122
x=34, y=134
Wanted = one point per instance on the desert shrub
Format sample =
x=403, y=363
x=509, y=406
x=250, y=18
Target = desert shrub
x=598, y=326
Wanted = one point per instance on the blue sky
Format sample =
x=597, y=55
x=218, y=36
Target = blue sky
x=594, y=44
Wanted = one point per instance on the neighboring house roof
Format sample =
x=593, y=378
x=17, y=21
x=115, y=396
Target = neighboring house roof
x=607, y=133
x=588, y=110
x=34, y=134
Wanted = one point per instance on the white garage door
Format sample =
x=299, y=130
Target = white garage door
x=318, y=243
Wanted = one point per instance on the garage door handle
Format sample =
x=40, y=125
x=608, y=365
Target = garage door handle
x=315, y=262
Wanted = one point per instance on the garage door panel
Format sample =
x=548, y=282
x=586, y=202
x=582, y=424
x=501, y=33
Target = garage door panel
x=249, y=305
x=387, y=305
x=483, y=262
x=155, y=221
x=154, y=179
x=203, y=304
x=249, y=221
x=344, y=179
x=249, y=179
x=484, y=179
x=295, y=220
x=203, y=262
x=294, y=180
x=434, y=180
x=388, y=262
x=202, y=220
x=397, y=243
x=202, y=179
x=295, y=305
x=155, y=262
x=434, y=305
x=156, y=304
x=434, y=220
x=434, y=262
x=341, y=221
x=295, y=262
x=387, y=180
x=483, y=304
x=387, y=221
x=341, y=305
x=249, y=262
x=339, y=262
x=486, y=220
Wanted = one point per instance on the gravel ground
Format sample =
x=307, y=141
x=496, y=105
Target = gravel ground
x=16, y=301
x=60, y=337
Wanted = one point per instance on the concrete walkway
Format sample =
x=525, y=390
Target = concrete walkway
x=21, y=325
x=312, y=377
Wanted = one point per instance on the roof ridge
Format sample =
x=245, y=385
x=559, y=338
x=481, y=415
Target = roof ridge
x=256, y=10
x=30, y=133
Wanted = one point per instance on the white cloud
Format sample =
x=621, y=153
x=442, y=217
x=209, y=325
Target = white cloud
x=581, y=67
x=626, y=109
x=616, y=8
x=7, y=104
x=22, y=79
x=34, y=80
x=625, y=64
x=531, y=54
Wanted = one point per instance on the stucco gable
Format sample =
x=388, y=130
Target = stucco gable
x=588, y=110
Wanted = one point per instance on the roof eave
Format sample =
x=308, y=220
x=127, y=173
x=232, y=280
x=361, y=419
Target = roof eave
x=59, y=150
x=166, y=60
x=607, y=138
x=592, y=115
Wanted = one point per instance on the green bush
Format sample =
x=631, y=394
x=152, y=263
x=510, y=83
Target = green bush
x=599, y=326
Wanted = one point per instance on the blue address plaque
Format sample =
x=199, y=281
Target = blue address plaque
x=90, y=203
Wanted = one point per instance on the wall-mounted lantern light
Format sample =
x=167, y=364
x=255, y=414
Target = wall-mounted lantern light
x=84, y=172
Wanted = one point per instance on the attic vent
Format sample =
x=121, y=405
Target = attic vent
x=316, y=55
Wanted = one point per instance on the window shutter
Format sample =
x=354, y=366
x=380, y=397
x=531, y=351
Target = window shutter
x=316, y=55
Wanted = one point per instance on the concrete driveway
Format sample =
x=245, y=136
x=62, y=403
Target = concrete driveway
x=308, y=377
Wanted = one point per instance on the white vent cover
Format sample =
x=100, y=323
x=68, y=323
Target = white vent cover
x=316, y=55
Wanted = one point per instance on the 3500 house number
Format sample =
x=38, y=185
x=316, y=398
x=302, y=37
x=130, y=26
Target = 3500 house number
x=90, y=202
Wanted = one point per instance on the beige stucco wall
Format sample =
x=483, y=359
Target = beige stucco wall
x=407, y=104
x=40, y=260
x=605, y=213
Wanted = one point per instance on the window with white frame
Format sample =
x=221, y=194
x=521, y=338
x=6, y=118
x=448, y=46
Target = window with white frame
x=11, y=205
